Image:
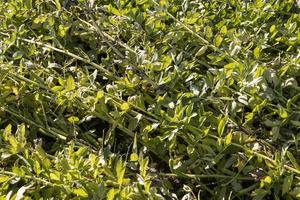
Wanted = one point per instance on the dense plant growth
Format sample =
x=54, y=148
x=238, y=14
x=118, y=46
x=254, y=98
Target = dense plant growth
x=147, y=99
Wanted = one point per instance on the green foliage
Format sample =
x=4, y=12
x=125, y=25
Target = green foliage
x=149, y=99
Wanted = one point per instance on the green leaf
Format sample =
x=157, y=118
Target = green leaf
x=259, y=194
x=114, y=11
x=201, y=51
x=7, y=132
x=134, y=157
x=293, y=160
x=163, y=2
x=189, y=110
x=256, y=52
x=230, y=66
x=222, y=125
x=61, y=81
x=4, y=178
x=295, y=123
x=62, y=30
x=219, y=40
x=141, y=2
x=40, y=19
x=124, y=106
x=17, y=55
x=120, y=169
x=223, y=30
x=275, y=133
x=229, y=69
x=272, y=28
x=54, y=176
x=28, y=4
x=287, y=183
x=282, y=112
x=21, y=134
x=80, y=192
x=51, y=21
x=73, y=119
x=58, y=6
x=81, y=152
x=70, y=83
x=228, y=139
x=208, y=32
x=192, y=19
x=57, y=88
x=14, y=144
x=144, y=166
x=43, y=156
x=133, y=122
x=111, y=194
x=18, y=171
x=100, y=95
x=267, y=179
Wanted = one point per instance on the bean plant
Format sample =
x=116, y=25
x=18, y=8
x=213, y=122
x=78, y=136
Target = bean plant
x=148, y=99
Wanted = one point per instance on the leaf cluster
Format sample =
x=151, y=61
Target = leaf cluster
x=149, y=99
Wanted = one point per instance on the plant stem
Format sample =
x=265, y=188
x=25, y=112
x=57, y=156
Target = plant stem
x=197, y=176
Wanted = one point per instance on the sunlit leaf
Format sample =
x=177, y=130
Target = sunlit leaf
x=125, y=106
x=134, y=157
x=57, y=3
x=219, y=40
x=228, y=138
x=256, y=52
x=221, y=126
x=80, y=192
x=70, y=83
x=73, y=119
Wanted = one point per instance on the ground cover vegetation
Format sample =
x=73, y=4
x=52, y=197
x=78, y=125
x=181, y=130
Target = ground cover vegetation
x=146, y=99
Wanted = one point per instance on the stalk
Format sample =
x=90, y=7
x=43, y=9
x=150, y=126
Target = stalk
x=199, y=176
